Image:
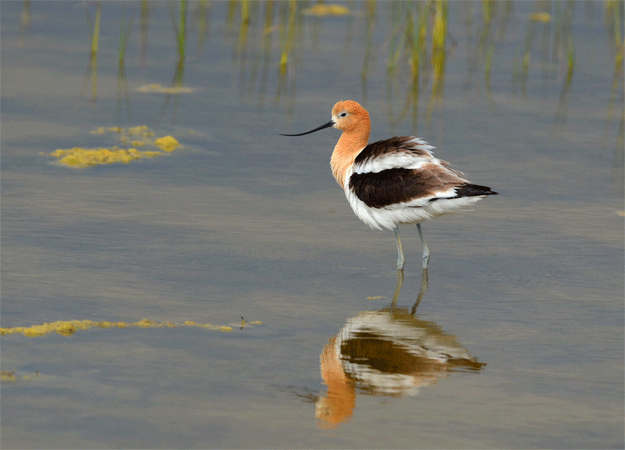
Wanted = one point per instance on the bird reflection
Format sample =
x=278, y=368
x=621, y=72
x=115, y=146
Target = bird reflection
x=390, y=352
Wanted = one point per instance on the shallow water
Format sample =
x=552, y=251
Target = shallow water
x=525, y=291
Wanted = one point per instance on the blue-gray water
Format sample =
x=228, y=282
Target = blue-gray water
x=239, y=221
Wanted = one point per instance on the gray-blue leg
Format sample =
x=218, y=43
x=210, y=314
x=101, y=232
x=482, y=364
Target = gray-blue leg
x=400, y=252
x=400, y=282
x=426, y=251
x=424, y=287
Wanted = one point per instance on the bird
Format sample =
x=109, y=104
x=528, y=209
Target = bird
x=395, y=181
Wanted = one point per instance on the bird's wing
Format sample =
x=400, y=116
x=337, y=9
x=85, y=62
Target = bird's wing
x=401, y=171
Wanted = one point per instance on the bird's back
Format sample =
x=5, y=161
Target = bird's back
x=398, y=180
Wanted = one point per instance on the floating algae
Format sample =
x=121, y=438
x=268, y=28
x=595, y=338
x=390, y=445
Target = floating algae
x=139, y=136
x=167, y=143
x=7, y=375
x=322, y=10
x=69, y=327
x=160, y=89
x=541, y=17
x=79, y=157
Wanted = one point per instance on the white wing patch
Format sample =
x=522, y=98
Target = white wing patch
x=400, y=159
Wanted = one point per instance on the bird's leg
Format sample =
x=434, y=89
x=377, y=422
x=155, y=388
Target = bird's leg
x=426, y=251
x=398, y=285
x=424, y=287
x=400, y=252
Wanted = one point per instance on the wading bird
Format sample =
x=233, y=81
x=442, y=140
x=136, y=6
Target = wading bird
x=396, y=181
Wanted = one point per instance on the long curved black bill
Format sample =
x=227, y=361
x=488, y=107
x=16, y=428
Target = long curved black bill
x=327, y=125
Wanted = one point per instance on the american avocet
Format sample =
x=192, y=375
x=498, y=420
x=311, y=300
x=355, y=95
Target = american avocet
x=396, y=181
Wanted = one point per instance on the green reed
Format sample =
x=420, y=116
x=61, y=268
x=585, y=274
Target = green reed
x=415, y=51
x=122, y=82
x=615, y=19
x=418, y=43
x=439, y=52
x=369, y=26
x=25, y=18
x=92, y=68
x=288, y=29
x=204, y=10
x=180, y=32
x=265, y=39
x=491, y=29
x=615, y=15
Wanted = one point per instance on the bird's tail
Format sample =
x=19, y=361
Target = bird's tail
x=472, y=190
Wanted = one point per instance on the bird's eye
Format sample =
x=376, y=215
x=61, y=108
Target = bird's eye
x=343, y=114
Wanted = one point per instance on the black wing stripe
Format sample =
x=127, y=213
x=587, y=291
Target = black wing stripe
x=469, y=190
x=391, y=186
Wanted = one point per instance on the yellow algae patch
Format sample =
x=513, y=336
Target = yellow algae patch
x=69, y=327
x=138, y=136
x=104, y=130
x=167, y=143
x=7, y=375
x=140, y=130
x=160, y=89
x=541, y=17
x=145, y=323
x=245, y=323
x=78, y=157
x=322, y=10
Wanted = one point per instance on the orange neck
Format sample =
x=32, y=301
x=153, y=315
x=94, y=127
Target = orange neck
x=347, y=148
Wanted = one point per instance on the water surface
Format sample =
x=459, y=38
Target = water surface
x=518, y=340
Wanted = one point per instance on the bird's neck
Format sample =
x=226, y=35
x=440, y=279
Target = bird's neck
x=347, y=148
